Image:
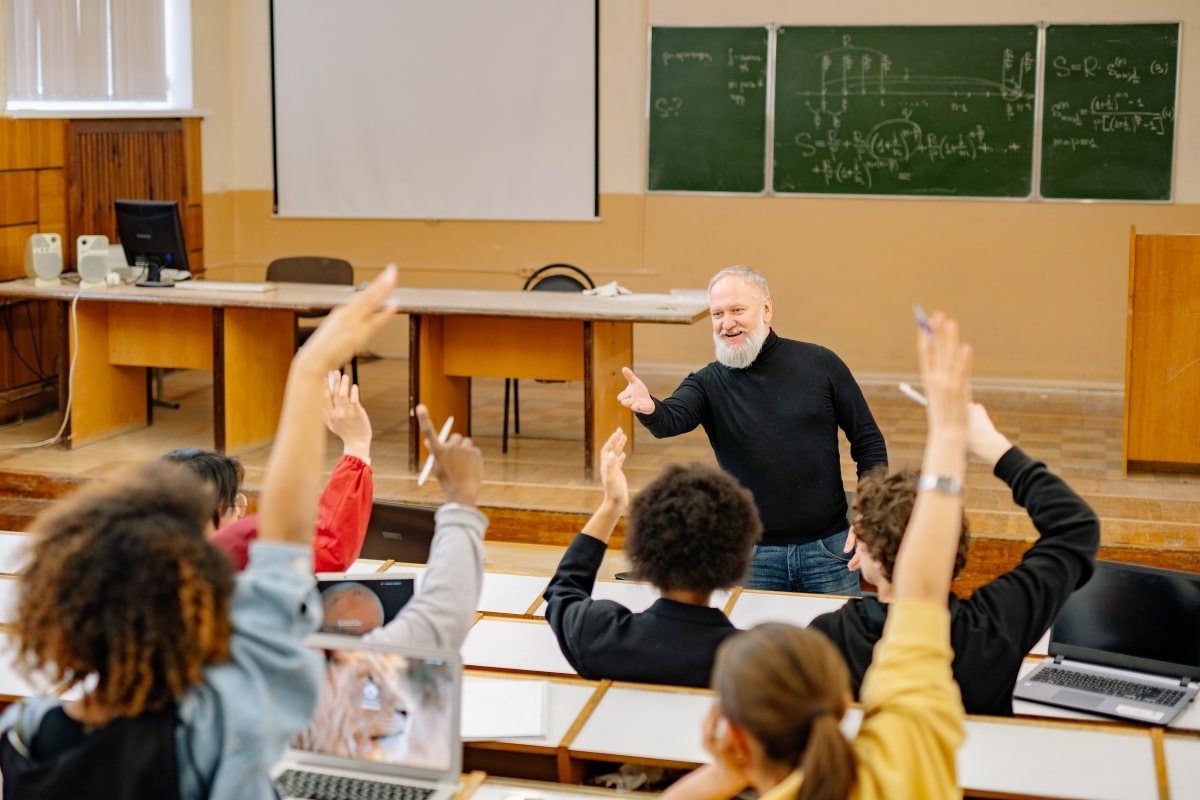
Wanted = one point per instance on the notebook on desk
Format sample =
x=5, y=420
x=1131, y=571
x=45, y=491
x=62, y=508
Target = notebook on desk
x=399, y=531
x=1125, y=645
x=386, y=726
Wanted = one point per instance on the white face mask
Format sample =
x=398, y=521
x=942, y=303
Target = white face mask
x=743, y=356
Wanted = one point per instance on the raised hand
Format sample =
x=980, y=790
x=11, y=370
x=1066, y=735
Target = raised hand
x=612, y=476
x=345, y=417
x=457, y=463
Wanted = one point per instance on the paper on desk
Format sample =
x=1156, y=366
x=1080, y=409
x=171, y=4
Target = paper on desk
x=610, y=289
x=494, y=708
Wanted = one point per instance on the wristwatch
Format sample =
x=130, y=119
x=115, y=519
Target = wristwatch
x=942, y=484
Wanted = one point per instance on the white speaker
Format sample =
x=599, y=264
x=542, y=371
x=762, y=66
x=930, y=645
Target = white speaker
x=43, y=258
x=91, y=259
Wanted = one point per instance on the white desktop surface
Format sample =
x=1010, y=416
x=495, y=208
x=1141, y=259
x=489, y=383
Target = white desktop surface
x=14, y=552
x=635, y=596
x=510, y=594
x=1050, y=760
x=1183, y=765
x=509, y=789
x=8, y=599
x=1188, y=719
x=754, y=607
x=365, y=565
x=642, y=723
x=514, y=644
x=564, y=703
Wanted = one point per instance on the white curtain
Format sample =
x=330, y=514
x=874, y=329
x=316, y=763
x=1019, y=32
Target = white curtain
x=93, y=51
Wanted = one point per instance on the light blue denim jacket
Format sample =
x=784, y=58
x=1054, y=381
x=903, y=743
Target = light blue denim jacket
x=237, y=721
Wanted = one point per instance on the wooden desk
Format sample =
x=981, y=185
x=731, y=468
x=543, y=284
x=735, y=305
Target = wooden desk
x=455, y=335
x=635, y=596
x=246, y=339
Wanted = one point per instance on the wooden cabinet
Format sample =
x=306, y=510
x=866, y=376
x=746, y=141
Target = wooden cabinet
x=1162, y=359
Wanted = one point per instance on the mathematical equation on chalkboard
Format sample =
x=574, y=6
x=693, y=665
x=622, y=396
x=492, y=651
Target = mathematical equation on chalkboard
x=1109, y=111
x=916, y=110
x=876, y=114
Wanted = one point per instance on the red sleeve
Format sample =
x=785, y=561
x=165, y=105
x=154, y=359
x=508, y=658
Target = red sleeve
x=342, y=515
x=235, y=538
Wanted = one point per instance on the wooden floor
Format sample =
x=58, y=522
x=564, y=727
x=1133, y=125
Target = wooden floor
x=1077, y=433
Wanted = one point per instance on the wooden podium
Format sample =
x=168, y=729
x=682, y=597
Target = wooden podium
x=1162, y=353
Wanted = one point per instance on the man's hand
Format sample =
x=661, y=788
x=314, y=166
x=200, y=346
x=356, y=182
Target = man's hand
x=983, y=440
x=612, y=477
x=636, y=397
x=851, y=546
x=346, y=417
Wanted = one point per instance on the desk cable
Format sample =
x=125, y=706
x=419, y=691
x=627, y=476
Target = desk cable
x=70, y=383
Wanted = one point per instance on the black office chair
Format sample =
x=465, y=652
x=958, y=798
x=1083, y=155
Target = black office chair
x=313, y=269
x=550, y=278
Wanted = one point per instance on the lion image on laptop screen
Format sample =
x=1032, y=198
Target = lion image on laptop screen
x=381, y=707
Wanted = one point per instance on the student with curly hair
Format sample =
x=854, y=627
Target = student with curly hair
x=189, y=681
x=780, y=691
x=992, y=630
x=691, y=532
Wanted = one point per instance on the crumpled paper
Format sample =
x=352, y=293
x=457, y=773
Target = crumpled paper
x=611, y=289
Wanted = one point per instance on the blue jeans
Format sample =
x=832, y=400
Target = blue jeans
x=817, y=567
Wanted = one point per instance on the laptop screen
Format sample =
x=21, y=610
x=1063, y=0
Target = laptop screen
x=356, y=603
x=386, y=710
x=399, y=531
x=1136, y=617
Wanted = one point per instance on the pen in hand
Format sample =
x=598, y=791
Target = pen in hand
x=913, y=394
x=424, y=476
x=922, y=319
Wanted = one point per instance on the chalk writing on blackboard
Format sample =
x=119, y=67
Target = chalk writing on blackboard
x=912, y=116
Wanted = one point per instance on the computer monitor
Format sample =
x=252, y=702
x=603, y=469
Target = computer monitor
x=152, y=235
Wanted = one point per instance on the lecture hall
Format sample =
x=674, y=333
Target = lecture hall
x=1029, y=169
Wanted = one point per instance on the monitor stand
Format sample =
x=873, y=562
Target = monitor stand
x=154, y=279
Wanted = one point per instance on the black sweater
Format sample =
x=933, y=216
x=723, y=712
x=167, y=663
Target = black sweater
x=992, y=632
x=774, y=427
x=670, y=642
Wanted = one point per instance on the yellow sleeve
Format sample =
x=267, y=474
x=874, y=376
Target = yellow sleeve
x=912, y=709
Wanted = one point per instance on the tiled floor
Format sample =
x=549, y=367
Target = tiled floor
x=1077, y=433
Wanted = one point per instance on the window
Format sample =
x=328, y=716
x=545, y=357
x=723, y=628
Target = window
x=103, y=55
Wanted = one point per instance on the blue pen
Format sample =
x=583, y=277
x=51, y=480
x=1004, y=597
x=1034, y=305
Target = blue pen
x=922, y=319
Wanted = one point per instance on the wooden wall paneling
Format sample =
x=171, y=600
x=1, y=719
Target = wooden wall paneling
x=12, y=250
x=18, y=197
x=31, y=143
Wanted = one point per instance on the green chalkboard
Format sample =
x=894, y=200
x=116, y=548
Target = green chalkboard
x=1108, y=127
x=708, y=109
x=906, y=110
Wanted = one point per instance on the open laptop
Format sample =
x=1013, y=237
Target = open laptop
x=357, y=602
x=1125, y=645
x=386, y=725
x=399, y=531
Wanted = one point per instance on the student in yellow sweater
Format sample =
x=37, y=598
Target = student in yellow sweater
x=781, y=691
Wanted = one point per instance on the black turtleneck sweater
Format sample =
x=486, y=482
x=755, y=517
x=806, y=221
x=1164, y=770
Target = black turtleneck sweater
x=774, y=427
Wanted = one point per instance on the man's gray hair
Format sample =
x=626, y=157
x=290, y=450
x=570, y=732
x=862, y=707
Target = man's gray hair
x=748, y=274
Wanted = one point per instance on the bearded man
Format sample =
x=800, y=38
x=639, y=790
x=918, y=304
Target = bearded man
x=772, y=408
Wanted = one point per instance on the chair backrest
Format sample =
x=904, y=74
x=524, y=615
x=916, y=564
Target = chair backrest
x=311, y=269
x=559, y=278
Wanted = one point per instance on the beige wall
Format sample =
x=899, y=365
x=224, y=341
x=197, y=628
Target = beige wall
x=1041, y=287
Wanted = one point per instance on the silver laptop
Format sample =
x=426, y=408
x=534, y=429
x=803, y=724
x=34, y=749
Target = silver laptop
x=1125, y=645
x=387, y=725
x=358, y=602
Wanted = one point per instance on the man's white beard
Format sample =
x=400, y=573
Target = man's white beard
x=741, y=357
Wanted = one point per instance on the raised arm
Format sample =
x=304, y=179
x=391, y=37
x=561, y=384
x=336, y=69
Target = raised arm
x=925, y=561
x=616, y=489
x=288, y=503
x=345, y=508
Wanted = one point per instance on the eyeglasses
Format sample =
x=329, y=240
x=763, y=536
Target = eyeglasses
x=240, y=503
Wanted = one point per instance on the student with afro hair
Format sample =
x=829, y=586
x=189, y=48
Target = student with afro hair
x=690, y=533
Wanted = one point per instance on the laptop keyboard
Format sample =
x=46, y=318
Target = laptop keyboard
x=319, y=786
x=1114, y=687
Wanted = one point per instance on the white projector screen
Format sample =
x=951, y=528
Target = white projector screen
x=435, y=109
